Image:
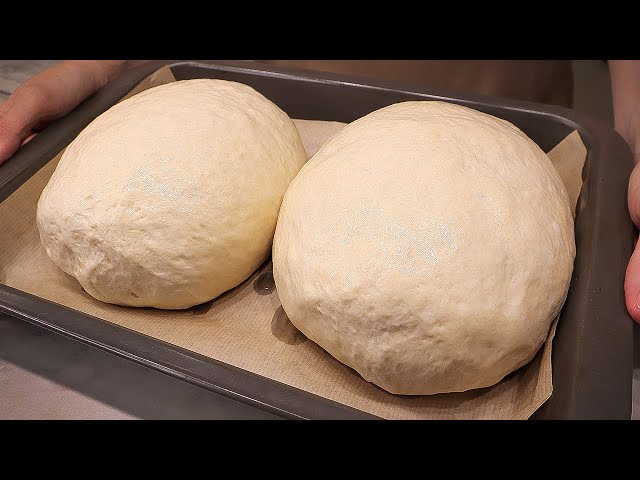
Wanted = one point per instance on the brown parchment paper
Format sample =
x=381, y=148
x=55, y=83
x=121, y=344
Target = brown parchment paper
x=246, y=327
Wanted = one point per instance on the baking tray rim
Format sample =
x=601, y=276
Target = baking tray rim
x=33, y=309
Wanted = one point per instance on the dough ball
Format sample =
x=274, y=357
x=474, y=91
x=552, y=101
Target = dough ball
x=171, y=197
x=428, y=246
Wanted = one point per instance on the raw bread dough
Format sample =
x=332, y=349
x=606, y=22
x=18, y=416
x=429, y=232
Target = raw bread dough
x=428, y=246
x=171, y=197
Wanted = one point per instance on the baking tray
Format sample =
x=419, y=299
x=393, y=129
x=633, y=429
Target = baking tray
x=593, y=346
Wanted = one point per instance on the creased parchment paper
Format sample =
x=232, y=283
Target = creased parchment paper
x=246, y=327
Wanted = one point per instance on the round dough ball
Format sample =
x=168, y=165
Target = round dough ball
x=171, y=197
x=428, y=246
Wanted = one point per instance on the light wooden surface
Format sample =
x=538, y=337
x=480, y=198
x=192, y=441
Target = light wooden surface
x=27, y=393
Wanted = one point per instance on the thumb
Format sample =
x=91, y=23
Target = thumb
x=28, y=106
x=632, y=277
x=632, y=284
x=10, y=141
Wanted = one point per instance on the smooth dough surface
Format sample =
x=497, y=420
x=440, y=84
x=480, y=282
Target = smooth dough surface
x=428, y=246
x=171, y=197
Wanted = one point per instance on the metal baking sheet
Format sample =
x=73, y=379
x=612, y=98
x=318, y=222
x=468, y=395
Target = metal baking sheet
x=593, y=346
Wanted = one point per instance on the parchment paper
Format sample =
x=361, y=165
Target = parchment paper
x=246, y=327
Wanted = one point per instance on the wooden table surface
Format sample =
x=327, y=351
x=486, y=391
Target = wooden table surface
x=76, y=382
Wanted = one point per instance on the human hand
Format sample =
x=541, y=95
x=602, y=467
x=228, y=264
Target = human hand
x=625, y=90
x=632, y=278
x=50, y=95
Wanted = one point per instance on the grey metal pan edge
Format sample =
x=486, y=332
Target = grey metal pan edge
x=224, y=379
x=593, y=347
